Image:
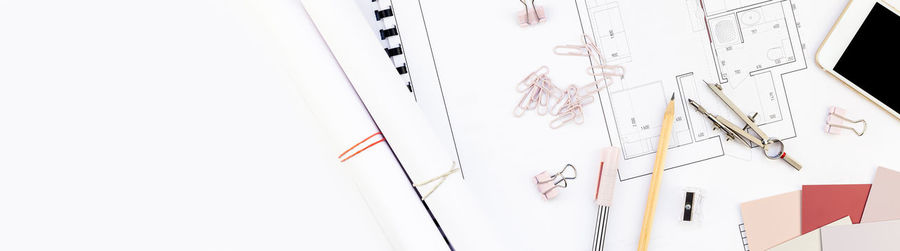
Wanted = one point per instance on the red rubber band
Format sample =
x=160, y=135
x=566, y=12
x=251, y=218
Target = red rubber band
x=360, y=150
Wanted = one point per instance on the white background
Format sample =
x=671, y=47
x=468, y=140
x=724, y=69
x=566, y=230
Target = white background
x=160, y=125
x=166, y=125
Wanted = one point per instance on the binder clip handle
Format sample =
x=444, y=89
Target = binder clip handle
x=835, y=122
x=547, y=184
x=534, y=16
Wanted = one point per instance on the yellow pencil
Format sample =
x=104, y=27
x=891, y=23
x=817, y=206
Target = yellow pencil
x=658, y=166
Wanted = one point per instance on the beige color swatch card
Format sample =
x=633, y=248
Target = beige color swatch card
x=811, y=241
x=772, y=220
x=884, y=197
x=875, y=236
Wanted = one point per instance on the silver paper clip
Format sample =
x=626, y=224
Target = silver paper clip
x=835, y=123
x=547, y=184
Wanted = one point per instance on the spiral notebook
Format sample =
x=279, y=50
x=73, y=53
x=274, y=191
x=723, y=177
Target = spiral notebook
x=384, y=24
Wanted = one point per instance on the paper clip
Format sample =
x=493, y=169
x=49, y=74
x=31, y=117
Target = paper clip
x=567, y=95
x=602, y=68
x=569, y=108
x=835, y=123
x=535, y=16
x=607, y=70
x=599, y=66
x=547, y=184
x=569, y=104
x=594, y=87
x=538, y=91
x=572, y=114
x=532, y=77
x=572, y=50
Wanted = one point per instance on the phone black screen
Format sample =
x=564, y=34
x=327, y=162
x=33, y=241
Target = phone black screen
x=872, y=59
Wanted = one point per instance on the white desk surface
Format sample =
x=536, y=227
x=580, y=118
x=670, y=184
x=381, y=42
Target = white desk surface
x=165, y=125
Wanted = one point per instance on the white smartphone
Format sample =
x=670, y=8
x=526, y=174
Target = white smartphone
x=863, y=51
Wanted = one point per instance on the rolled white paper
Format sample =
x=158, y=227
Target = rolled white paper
x=381, y=180
x=400, y=119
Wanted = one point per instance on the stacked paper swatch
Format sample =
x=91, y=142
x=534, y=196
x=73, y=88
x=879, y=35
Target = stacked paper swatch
x=828, y=217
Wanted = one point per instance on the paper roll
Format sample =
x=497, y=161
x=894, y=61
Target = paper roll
x=403, y=124
x=381, y=180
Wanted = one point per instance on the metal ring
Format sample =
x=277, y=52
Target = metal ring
x=773, y=141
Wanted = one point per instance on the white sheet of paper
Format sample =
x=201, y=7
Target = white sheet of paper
x=873, y=236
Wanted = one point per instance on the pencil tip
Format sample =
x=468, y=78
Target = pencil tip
x=673, y=96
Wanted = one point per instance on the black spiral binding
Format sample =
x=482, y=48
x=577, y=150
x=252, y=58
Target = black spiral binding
x=394, y=51
x=389, y=33
x=379, y=14
x=400, y=60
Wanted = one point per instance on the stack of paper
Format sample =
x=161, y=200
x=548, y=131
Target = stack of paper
x=811, y=241
x=829, y=217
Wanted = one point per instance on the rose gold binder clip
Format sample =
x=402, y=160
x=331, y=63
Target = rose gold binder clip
x=532, y=17
x=548, y=184
x=837, y=122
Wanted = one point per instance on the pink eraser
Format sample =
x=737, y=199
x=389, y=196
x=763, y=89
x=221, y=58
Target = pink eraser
x=606, y=178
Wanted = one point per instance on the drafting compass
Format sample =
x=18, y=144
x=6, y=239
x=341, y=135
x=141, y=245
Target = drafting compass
x=773, y=148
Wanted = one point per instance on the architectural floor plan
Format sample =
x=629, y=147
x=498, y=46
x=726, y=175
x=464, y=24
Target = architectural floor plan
x=745, y=45
x=465, y=62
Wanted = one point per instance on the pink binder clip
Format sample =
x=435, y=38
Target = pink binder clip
x=535, y=16
x=547, y=184
x=837, y=123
